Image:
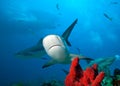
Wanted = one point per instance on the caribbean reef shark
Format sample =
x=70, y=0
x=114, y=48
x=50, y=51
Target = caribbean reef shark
x=38, y=49
x=103, y=63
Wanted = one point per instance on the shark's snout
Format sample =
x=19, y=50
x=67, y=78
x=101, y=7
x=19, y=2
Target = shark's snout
x=55, y=47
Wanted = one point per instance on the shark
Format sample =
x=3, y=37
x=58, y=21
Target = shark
x=103, y=63
x=38, y=49
x=56, y=47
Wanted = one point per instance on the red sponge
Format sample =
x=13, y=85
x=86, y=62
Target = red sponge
x=78, y=77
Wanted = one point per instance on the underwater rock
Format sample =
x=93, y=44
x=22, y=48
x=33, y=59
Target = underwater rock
x=107, y=81
x=117, y=71
x=78, y=77
x=110, y=80
x=116, y=81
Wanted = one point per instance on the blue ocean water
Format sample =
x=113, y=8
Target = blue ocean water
x=24, y=22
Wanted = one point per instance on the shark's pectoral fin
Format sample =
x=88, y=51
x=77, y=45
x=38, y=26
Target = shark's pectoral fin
x=51, y=62
x=32, y=52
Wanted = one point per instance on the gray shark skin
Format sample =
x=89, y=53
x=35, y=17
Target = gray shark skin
x=38, y=49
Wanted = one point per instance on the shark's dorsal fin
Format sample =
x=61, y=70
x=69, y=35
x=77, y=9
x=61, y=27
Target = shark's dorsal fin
x=67, y=32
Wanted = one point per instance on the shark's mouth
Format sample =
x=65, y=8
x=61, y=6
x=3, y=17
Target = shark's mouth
x=54, y=46
x=57, y=52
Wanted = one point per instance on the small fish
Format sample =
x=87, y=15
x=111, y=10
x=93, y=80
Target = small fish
x=57, y=6
x=114, y=2
x=78, y=50
x=65, y=71
x=107, y=17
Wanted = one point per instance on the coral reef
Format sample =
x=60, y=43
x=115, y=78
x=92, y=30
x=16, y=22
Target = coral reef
x=53, y=83
x=110, y=80
x=116, y=80
x=79, y=77
x=107, y=81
